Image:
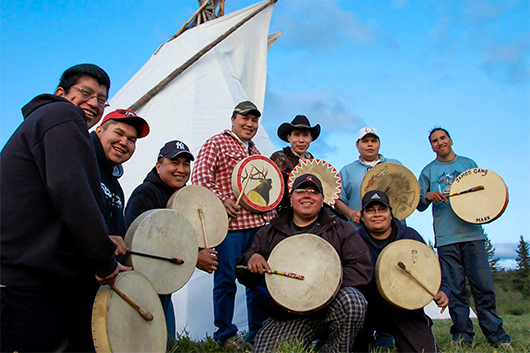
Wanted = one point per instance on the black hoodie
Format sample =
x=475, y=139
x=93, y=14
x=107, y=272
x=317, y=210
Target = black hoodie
x=152, y=193
x=111, y=189
x=52, y=229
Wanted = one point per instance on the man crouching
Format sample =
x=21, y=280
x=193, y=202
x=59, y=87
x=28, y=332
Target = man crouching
x=340, y=320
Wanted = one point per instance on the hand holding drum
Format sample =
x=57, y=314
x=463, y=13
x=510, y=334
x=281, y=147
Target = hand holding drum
x=480, y=196
x=408, y=274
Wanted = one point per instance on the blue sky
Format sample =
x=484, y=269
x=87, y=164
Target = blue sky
x=400, y=66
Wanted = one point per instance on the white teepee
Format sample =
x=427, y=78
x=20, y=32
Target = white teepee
x=193, y=107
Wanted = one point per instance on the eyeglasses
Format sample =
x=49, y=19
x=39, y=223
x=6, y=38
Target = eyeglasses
x=373, y=210
x=88, y=94
x=309, y=191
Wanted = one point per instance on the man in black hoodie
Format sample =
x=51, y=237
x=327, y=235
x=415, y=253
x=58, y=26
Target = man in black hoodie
x=171, y=173
x=411, y=328
x=115, y=142
x=53, y=236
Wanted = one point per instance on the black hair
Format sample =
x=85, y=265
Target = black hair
x=72, y=75
x=438, y=128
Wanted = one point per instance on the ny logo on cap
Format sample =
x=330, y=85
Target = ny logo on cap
x=180, y=145
x=368, y=129
x=375, y=196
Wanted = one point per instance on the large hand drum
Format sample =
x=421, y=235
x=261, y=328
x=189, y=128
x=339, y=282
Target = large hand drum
x=118, y=327
x=400, y=288
x=481, y=206
x=205, y=212
x=166, y=233
x=260, y=181
x=327, y=174
x=314, y=258
x=398, y=183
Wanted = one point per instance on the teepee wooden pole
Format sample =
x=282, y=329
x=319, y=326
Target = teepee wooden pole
x=189, y=21
x=160, y=86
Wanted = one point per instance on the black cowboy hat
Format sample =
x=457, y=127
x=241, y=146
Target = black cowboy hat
x=299, y=122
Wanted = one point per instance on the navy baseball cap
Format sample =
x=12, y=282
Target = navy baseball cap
x=174, y=149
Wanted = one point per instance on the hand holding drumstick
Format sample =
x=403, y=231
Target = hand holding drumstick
x=258, y=264
x=440, y=298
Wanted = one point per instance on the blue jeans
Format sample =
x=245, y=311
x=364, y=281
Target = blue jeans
x=469, y=259
x=169, y=313
x=224, y=288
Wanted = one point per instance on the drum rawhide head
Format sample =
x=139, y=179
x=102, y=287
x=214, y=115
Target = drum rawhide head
x=262, y=182
x=481, y=206
x=327, y=174
x=310, y=256
x=165, y=233
x=400, y=185
x=118, y=327
x=192, y=198
x=396, y=286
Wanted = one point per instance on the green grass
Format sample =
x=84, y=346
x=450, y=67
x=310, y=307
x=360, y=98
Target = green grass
x=518, y=327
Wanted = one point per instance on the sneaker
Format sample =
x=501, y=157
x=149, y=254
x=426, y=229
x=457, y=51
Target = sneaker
x=461, y=343
x=507, y=346
x=236, y=342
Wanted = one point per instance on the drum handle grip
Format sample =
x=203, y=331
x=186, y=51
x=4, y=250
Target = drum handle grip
x=201, y=216
x=145, y=314
x=474, y=188
x=273, y=272
x=407, y=271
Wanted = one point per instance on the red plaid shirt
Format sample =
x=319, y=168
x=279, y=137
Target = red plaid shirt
x=213, y=169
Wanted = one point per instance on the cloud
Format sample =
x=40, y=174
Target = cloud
x=474, y=28
x=508, y=264
x=306, y=26
x=331, y=110
x=508, y=63
x=399, y=4
x=482, y=10
x=505, y=250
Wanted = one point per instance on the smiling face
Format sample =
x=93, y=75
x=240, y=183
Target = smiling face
x=118, y=140
x=368, y=147
x=306, y=204
x=377, y=218
x=87, y=99
x=442, y=144
x=300, y=140
x=175, y=173
x=245, y=126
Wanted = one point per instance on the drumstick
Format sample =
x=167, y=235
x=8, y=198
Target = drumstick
x=244, y=186
x=173, y=260
x=203, y=227
x=242, y=190
x=407, y=271
x=474, y=188
x=145, y=314
x=272, y=272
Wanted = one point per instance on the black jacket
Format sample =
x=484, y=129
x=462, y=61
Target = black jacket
x=371, y=292
x=152, y=193
x=357, y=268
x=52, y=229
x=111, y=189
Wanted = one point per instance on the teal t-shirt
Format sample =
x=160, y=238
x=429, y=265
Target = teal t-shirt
x=448, y=227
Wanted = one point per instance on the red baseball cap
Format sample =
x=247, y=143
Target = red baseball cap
x=141, y=126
